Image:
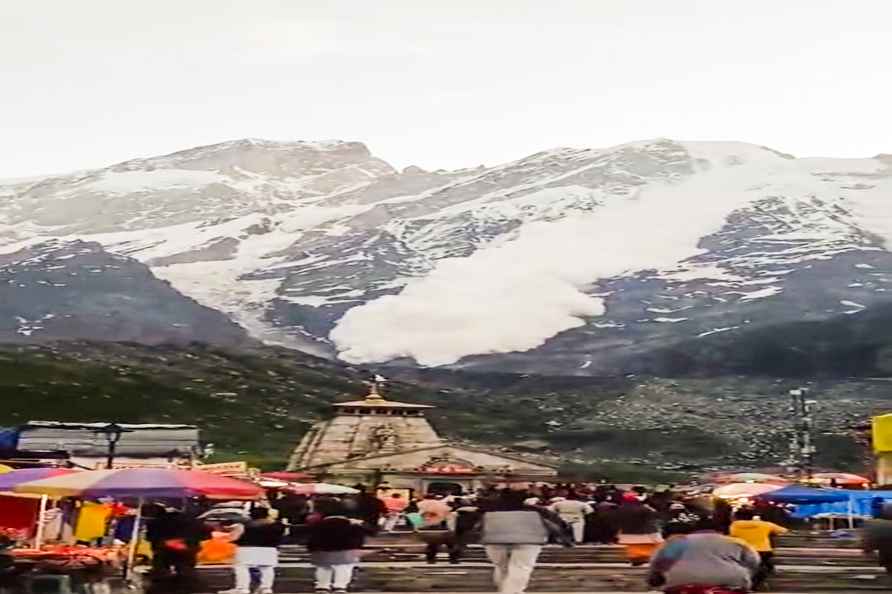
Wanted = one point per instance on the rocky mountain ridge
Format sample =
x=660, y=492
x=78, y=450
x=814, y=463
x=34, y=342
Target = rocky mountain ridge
x=60, y=290
x=569, y=261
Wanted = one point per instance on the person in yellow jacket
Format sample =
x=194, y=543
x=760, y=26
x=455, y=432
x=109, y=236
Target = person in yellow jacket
x=757, y=533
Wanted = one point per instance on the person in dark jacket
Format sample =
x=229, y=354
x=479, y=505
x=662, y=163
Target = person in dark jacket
x=175, y=539
x=513, y=534
x=877, y=537
x=679, y=520
x=368, y=508
x=601, y=526
x=638, y=529
x=257, y=544
x=334, y=545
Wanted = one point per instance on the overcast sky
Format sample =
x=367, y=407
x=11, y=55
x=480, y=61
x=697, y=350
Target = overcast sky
x=438, y=83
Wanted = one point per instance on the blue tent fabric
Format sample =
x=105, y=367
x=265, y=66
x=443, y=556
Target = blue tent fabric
x=9, y=438
x=811, y=502
x=804, y=495
x=863, y=501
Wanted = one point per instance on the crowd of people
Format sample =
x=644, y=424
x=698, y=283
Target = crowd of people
x=683, y=541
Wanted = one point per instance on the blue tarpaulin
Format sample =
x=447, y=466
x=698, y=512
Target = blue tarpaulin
x=804, y=495
x=811, y=502
x=9, y=438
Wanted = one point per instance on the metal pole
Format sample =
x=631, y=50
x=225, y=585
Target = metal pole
x=110, y=461
x=802, y=447
x=134, y=540
x=41, y=520
x=807, y=446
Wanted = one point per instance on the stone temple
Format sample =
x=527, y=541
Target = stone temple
x=378, y=441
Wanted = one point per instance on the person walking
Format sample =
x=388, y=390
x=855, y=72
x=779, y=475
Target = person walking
x=601, y=526
x=680, y=520
x=175, y=538
x=464, y=520
x=257, y=547
x=334, y=544
x=368, y=508
x=638, y=529
x=513, y=535
x=573, y=511
x=396, y=505
x=702, y=562
x=757, y=533
x=434, y=531
x=877, y=537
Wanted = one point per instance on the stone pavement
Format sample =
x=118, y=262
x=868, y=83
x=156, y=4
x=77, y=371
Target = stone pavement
x=400, y=568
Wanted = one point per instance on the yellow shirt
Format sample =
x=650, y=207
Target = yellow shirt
x=756, y=533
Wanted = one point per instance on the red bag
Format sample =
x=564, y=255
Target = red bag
x=176, y=544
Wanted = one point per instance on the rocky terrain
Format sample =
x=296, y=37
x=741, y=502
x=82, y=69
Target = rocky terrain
x=567, y=262
x=638, y=310
x=256, y=404
x=58, y=290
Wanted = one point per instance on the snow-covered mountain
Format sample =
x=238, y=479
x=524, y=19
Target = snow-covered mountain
x=567, y=261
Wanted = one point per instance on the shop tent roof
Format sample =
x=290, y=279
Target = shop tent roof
x=804, y=495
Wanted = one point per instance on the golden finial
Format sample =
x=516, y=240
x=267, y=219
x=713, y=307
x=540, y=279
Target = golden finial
x=374, y=390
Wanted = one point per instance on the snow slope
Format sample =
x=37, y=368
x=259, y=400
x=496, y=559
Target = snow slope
x=566, y=261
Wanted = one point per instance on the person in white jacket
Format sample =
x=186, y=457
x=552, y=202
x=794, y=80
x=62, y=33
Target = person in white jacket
x=573, y=512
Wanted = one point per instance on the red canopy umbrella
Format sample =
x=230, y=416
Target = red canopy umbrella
x=841, y=478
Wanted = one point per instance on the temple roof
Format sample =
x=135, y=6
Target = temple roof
x=374, y=400
x=447, y=446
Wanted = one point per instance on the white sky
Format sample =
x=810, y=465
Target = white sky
x=438, y=83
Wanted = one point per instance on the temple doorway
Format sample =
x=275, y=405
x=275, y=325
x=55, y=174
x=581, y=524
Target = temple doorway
x=445, y=488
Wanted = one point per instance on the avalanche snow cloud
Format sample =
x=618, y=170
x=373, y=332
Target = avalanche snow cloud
x=568, y=261
x=516, y=295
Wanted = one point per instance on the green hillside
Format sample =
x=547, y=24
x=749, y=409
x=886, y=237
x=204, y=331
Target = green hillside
x=256, y=405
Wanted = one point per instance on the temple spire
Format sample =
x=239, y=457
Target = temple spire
x=375, y=388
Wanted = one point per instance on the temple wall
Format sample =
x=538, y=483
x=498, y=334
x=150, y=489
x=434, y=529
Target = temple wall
x=351, y=436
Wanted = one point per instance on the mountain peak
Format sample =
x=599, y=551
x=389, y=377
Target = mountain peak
x=244, y=152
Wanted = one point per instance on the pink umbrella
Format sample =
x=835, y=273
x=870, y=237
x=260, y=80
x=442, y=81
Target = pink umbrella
x=288, y=477
x=320, y=489
x=752, y=477
x=744, y=490
x=142, y=482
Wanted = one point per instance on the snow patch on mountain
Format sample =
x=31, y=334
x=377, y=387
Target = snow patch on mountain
x=515, y=296
x=324, y=247
x=125, y=182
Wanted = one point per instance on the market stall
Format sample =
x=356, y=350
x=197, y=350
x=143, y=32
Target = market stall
x=809, y=502
x=137, y=485
x=23, y=511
